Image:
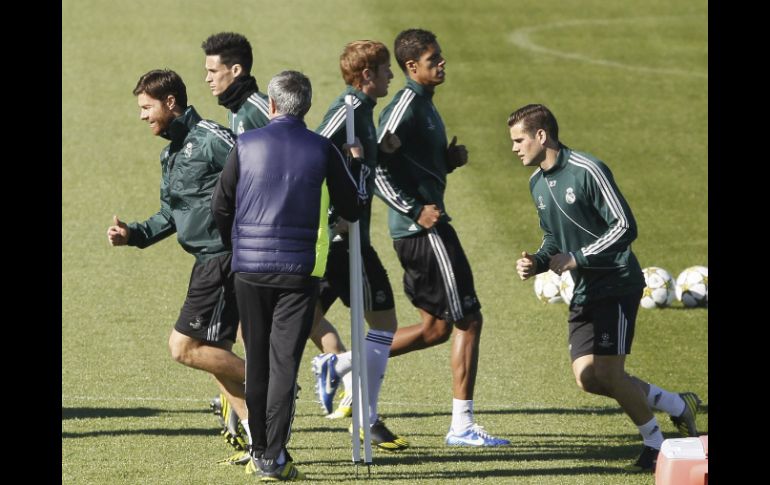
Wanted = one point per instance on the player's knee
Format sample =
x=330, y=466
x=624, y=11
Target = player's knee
x=181, y=350
x=438, y=333
x=588, y=383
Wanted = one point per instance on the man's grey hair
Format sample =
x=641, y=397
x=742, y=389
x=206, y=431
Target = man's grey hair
x=291, y=92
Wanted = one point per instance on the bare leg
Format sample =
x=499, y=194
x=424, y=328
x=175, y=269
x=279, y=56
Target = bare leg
x=465, y=356
x=431, y=331
x=605, y=375
x=227, y=368
x=324, y=335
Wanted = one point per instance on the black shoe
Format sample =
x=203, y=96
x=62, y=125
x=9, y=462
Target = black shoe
x=646, y=461
x=270, y=471
x=383, y=438
x=685, y=422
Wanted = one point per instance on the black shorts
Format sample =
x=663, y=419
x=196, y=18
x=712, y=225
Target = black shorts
x=603, y=327
x=378, y=295
x=437, y=275
x=210, y=312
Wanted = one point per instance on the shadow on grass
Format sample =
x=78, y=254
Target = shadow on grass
x=455, y=475
x=564, y=411
x=148, y=432
x=602, y=411
x=92, y=413
x=515, y=461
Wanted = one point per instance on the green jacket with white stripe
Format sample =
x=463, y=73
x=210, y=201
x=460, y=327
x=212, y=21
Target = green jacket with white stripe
x=582, y=212
x=333, y=127
x=190, y=167
x=415, y=175
x=253, y=113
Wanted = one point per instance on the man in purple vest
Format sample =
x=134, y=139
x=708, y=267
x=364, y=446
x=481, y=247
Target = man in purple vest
x=273, y=198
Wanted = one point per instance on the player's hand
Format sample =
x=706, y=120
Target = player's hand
x=526, y=266
x=390, y=143
x=429, y=216
x=341, y=226
x=562, y=262
x=456, y=155
x=118, y=232
x=355, y=150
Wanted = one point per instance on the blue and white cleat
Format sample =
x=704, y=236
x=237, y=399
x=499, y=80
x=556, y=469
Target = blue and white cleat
x=474, y=436
x=327, y=380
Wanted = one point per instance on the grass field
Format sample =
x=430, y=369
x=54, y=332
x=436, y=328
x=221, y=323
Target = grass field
x=628, y=82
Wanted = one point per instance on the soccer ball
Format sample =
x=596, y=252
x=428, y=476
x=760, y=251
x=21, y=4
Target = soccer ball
x=567, y=287
x=659, y=290
x=547, y=287
x=692, y=286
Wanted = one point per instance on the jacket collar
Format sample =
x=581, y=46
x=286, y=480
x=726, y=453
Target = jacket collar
x=180, y=127
x=561, y=160
x=363, y=97
x=419, y=88
x=289, y=119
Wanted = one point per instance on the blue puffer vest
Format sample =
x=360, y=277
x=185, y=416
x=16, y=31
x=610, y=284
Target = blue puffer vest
x=281, y=178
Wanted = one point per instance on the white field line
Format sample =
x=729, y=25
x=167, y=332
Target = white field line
x=70, y=399
x=521, y=38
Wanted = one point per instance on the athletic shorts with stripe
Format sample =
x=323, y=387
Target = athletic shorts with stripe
x=378, y=295
x=210, y=312
x=437, y=275
x=603, y=327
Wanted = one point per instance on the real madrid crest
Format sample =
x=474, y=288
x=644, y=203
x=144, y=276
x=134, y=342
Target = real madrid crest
x=188, y=150
x=569, y=196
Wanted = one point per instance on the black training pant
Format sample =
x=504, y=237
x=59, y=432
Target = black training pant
x=275, y=324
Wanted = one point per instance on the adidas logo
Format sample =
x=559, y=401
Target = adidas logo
x=413, y=227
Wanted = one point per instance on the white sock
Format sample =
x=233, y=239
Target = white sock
x=377, y=347
x=462, y=415
x=663, y=400
x=651, y=434
x=245, y=424
x=344, y=363
x=347, y=384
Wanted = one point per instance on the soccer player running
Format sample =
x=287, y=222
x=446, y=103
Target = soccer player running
x=228, y=74
x=273, y=198
x=588, y=229
x=190, y=166
x=228, y=65
x=437, y=276
x=365, y=67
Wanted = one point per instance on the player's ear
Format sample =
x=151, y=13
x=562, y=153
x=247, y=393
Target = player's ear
x=237, y=69
x=170, y=102
x=541, y=136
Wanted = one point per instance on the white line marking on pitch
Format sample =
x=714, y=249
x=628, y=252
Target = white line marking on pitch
x=202, y=401
x=520, y=37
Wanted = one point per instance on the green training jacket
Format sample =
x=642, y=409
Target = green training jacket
x=190, y=166
x=415, y=175
x=252, y=114
x=333, y=127
x=582, y=212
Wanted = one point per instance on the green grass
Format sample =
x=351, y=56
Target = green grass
x=634, y=93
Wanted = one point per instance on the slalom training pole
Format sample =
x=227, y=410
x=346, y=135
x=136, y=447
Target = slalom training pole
x=360, y=375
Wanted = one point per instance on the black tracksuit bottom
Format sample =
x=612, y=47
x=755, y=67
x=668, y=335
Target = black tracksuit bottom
x=276, y=323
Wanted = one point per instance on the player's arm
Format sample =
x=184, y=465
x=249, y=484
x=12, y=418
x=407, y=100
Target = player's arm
x=223, y=198
x=157, y=227
x=347, y=184
x=391, y=171
x=548, y=248
x=609, y=248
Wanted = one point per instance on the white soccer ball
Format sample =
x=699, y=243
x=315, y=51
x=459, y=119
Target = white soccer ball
x=692, y=286
x=567, y=287
x=547, y=287
x=659, y=290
